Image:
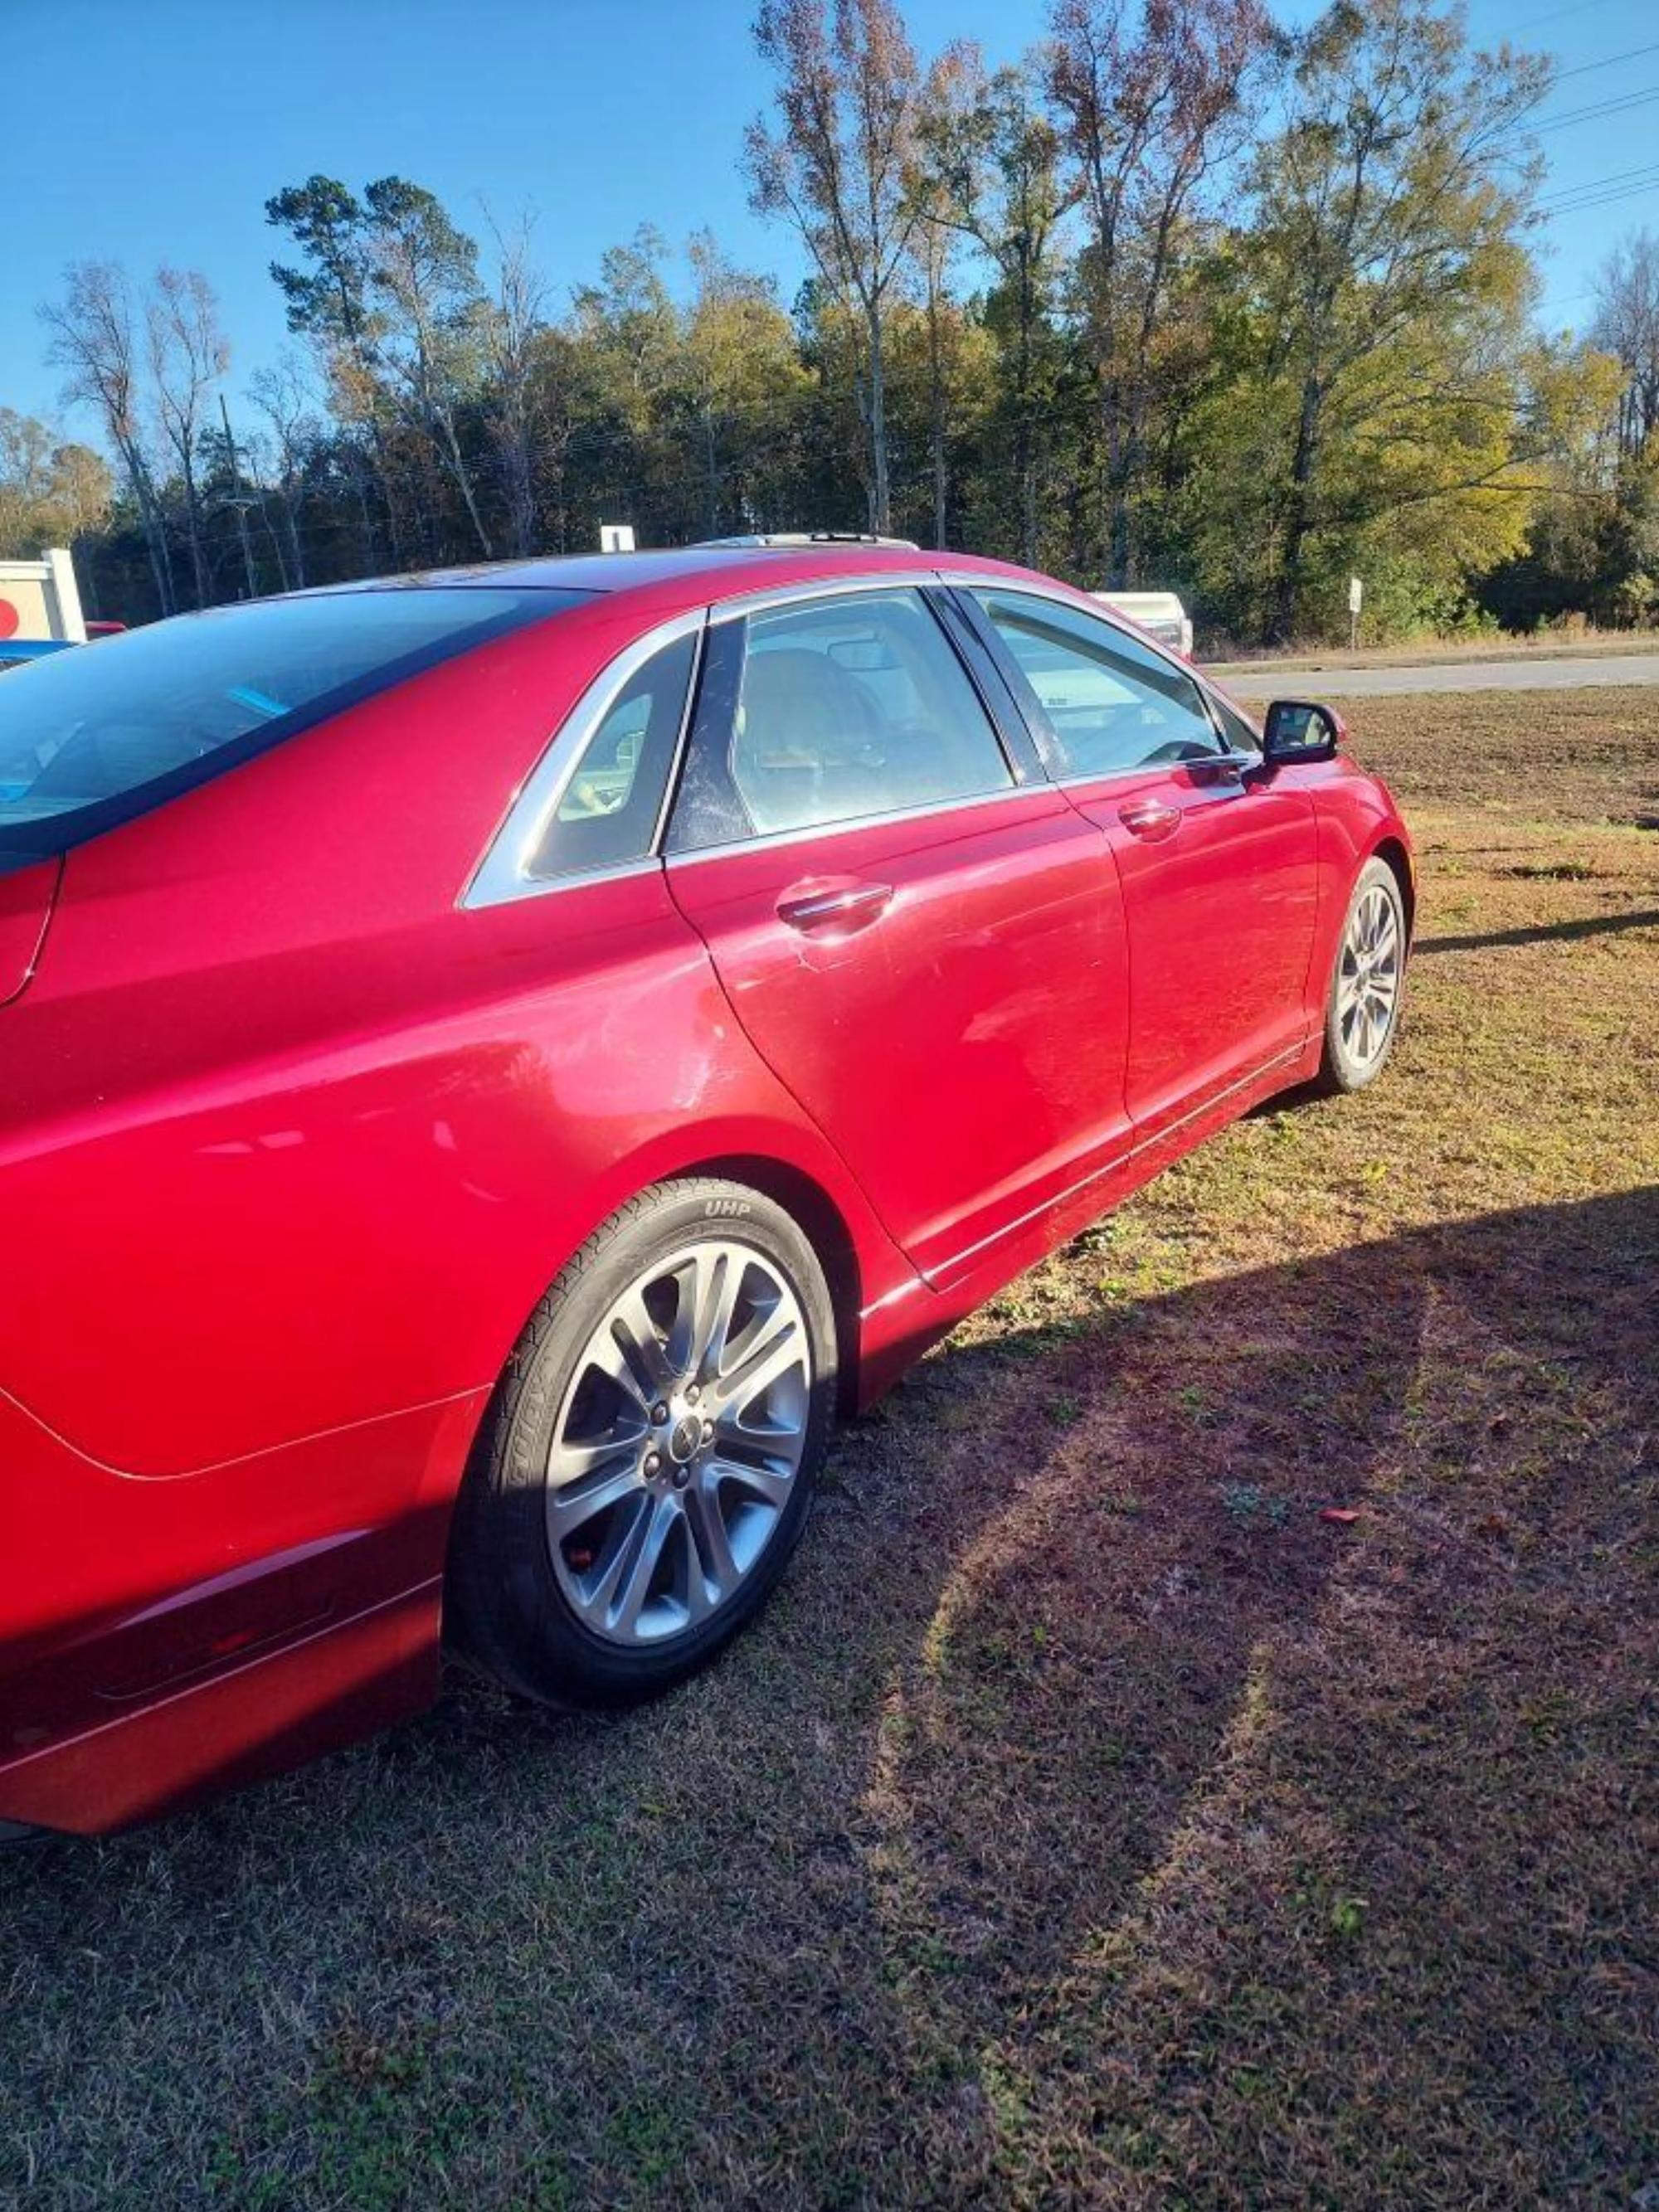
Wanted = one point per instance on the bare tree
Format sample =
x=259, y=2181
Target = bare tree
x=840, y=168
x=283, y=395
x=188, y=355
x=1626, y=325
x=514, y=322
x=1152, y=103
x=95, y=340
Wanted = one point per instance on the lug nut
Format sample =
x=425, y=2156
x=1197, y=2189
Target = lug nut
x=659, y=1412
x=652, y=1462
x=708, y=1431
x=692, y=1394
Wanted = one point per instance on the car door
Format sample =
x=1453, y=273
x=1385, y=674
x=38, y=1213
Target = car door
x=920, y=935
x=1218, y=865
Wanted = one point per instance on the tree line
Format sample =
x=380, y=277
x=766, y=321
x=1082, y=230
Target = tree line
x=1178, y=298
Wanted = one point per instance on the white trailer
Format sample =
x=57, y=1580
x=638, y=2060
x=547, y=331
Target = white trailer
x=1161, y=613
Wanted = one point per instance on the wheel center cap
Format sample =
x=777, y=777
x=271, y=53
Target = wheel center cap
x=684, y=1439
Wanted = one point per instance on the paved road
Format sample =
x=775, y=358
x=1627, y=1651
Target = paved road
x=1347, y=682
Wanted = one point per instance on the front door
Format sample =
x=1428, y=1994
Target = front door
x=1218, y=868
x=926, y=950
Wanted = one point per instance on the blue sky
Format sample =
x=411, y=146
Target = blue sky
x=171, y=123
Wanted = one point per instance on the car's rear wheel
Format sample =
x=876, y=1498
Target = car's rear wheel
x=1362, y=1008
x=650, y=1457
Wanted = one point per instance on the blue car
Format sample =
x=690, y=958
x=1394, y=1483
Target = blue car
x=16, y=651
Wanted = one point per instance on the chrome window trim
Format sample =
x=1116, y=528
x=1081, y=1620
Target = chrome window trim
x=767, y=596
x=1236, y=762
x=774, y=838
x=502, y=875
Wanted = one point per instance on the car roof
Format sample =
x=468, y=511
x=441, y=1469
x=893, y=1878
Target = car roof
x=675, y=578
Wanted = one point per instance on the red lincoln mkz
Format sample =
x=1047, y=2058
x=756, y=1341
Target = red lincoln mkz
x=491, y=1064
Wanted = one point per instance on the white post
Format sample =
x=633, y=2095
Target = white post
x=64, y=597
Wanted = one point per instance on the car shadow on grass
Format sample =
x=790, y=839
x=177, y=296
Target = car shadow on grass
x=1543, y=933
x=1193, y=1754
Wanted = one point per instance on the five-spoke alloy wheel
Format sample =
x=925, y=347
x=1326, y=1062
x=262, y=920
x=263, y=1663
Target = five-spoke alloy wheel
x=650, y=1462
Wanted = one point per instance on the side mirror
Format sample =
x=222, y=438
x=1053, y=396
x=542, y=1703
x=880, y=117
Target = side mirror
x=1300, y=730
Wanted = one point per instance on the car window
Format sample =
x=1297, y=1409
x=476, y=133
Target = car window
x=1109, y=702
x=1242, y=735
x=90, y=737
x=854, y=706
x=607, y=811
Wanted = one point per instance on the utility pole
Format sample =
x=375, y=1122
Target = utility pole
x=239, y=502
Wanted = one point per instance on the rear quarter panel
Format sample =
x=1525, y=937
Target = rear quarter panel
x=290, y=1145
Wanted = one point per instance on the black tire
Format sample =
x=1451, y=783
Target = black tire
x=1343, y=1071
x=505, y=1603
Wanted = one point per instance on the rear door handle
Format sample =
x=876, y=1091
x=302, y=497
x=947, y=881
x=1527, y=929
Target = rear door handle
x=832, y=909
x=1150, y=819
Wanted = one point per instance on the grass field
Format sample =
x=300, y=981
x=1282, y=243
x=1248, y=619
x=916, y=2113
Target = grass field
x=1090, y=1820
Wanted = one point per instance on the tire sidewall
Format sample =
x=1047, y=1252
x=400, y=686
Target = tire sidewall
x=549, y=1650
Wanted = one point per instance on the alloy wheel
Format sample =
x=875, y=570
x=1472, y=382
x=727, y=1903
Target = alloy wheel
x=678, y=1442
x=1368, y=979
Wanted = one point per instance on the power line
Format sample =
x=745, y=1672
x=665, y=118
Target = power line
x=1554, y=15
x=1595, y=110
x=1608, y=61
x=1604, y=199
x=1641, y=174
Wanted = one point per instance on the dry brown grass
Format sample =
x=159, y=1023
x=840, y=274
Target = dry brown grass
x=1090, y=1821
x=1579, y=644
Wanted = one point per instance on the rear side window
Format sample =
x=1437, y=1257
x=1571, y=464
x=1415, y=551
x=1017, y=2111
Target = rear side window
x=607, y=811
x=854, y=706
x=1109, y=702
x=93, y=735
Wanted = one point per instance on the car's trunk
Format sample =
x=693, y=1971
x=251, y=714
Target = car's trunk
x=26, y=896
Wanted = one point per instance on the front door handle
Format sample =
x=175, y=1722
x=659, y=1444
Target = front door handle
x=824, y=909
x=1150, y=819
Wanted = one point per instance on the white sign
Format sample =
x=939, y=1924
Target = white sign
x=615, y=537
x=39, y=598
x=1356, y=594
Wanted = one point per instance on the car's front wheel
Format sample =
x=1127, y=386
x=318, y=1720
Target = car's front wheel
x=651, y=1453
x=1361, y=1006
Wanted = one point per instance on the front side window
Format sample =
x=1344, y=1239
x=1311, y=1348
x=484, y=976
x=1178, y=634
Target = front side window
x=91, y=736
x=607, y=811
x=1109, y=702
x=853, y=706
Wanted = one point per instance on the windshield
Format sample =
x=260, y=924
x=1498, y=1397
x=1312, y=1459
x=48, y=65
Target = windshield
x=92, y=736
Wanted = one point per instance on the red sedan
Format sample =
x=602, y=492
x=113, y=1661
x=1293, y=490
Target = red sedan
x=492, y=1064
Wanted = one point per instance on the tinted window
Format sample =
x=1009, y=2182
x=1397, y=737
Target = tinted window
x=89, y=736
x=854, y=706
x=608, y=811
x=1110, y=702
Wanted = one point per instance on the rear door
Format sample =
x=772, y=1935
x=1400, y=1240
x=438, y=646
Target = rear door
x=917, y=932
x=1218, y=866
